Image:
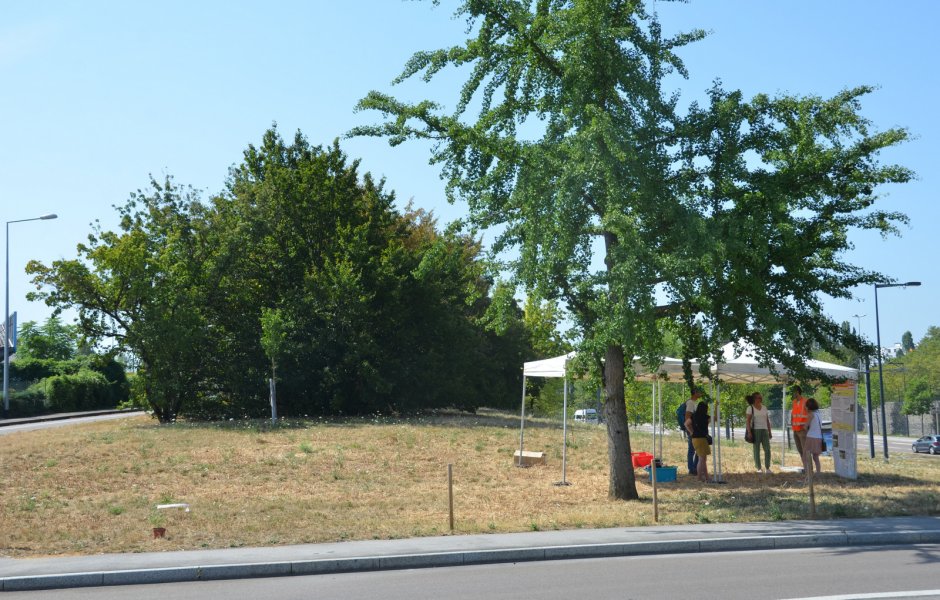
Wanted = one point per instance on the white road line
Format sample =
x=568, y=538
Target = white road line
x=875, y=596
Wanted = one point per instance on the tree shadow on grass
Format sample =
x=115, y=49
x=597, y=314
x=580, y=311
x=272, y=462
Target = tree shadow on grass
x=785, y=497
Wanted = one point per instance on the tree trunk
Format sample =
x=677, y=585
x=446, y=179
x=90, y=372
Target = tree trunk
x=622, y=478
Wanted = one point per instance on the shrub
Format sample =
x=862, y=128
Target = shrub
x=85, y=390
x=27, y=403
x=33, y=369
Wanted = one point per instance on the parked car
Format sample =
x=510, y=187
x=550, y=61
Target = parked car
x=586, y=415
x=928, y=443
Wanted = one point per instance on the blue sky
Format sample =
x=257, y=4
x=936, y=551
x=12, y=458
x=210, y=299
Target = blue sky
x=95, y=96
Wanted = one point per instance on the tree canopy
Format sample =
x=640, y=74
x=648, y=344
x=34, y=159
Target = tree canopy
x=53, y=340
x=302, y=264
x=923, y=375
x=726, y=220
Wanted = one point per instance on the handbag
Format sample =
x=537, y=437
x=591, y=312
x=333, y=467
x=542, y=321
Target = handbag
x=820, y=431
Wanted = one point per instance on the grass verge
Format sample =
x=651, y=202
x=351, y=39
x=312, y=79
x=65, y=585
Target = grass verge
x=88, y=489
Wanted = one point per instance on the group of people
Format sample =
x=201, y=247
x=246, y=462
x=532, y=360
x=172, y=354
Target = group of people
x=804, y=418
x=807, y=430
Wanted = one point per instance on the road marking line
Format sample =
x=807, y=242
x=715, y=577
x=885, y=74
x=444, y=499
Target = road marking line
x=873, y=596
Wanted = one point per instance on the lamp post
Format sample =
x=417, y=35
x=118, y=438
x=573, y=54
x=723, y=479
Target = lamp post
x=6, y=315
x=881, y=379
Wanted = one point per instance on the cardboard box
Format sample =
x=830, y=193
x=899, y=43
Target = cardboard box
x=529, y=458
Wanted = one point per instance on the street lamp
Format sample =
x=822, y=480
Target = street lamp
x=881, y=379
x=7, y=337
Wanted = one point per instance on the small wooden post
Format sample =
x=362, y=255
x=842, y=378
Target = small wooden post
x=450, y=494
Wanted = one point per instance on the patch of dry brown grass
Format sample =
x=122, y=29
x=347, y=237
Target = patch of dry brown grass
x=92, y=488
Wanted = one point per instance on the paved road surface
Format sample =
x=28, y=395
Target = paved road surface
x=850, y=572
x=29, y=425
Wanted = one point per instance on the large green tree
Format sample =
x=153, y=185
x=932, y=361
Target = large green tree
x=387, y=313
x=728, y=220
x=141, y=289
x=302, y=265
x=923, y=375
x=53, y=340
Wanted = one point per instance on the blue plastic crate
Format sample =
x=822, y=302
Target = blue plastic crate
x=663, y=474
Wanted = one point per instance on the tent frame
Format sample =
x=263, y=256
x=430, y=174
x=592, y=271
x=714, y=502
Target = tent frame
x=739, y=365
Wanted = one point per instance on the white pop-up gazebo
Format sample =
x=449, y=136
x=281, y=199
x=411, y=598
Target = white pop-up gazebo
x=740, y=365
x=557, y=367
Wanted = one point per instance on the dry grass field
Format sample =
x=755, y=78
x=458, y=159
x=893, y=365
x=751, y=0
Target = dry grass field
x=88, y=489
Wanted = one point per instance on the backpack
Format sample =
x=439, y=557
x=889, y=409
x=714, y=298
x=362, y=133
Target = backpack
x=680, y=416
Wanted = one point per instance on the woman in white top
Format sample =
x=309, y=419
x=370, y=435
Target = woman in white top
x=758, y=423
x=813, y=445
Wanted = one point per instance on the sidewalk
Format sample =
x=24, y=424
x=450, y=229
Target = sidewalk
x=414, y=553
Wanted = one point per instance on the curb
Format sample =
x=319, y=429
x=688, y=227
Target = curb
x=454, y=559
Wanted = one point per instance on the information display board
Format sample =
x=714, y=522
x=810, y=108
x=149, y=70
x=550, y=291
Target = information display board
x=844, y=430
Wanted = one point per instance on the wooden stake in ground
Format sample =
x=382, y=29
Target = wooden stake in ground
x=450, y=494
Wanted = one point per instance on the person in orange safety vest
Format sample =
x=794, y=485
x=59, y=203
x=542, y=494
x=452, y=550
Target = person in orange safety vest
x=799, y=418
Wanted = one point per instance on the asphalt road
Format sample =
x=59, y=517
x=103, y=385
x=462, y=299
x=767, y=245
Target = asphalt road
x=855, y=572
x=7, y=429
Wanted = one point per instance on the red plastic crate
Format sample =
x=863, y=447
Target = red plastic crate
x=641, y=459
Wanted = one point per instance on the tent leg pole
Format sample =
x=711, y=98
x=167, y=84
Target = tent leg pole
x=564, y=440
x=522, y=424
x=653, y=463
x=662, y=425
x=716, y=436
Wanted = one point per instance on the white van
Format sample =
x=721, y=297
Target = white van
x=586, y=415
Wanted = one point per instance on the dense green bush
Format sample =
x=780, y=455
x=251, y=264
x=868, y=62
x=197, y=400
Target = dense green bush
x=62, y=373
x=34, y=369
x=27, y=403
x=85, y=390
x=136, y=395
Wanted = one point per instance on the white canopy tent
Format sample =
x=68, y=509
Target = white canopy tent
x=739, y=365
x=557, y=367
x=549, y=367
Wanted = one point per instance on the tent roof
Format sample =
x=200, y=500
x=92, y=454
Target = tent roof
x=740, y=366
x=549, y=367
x=555, y=367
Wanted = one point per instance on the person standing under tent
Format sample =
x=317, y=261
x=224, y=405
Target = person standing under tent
x=696, y=423
x=812, y=445
x=690, y=405
x=758, y=422
x=799, y=418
